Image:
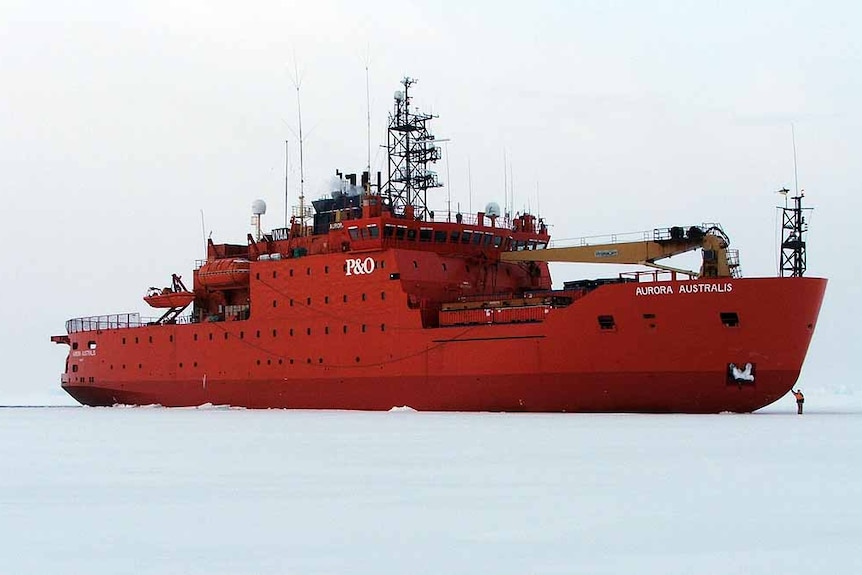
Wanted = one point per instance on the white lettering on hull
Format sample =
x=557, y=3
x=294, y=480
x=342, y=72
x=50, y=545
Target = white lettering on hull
x=684, y=288
x=358, y=266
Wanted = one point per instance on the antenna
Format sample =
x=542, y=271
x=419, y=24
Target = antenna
x=469, y=185
x=448, y=186
x=297, y=83
x=795, y=174
x=204, y=233
x=505, y=186
x=286, y=205
x=368, y=127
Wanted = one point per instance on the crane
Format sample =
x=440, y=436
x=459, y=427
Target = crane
x=718, y=260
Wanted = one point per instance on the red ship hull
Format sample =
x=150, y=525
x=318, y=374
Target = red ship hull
x=670, y=348
x=371, y=303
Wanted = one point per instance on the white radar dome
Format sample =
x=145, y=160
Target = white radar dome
x=258, y=207
x=399, y=96
x=492, y=209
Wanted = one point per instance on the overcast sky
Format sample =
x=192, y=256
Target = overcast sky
x=120, y=122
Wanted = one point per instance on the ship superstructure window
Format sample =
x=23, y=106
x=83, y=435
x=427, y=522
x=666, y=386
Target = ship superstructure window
x=455, y=236
x=92, y=344
x=373, y=231
x=607, y=322
x=730, y=318
x=440, y=236
x=488, y=237
x=354, y=232
x=425, y=234
x=75, y=344
x=477, y=238
x=400, y=232
x=388, y=231
x=498, y=241
x=411, y=234
x=465, y=236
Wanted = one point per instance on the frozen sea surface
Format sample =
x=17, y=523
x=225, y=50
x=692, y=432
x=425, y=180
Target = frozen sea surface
x=152, y=490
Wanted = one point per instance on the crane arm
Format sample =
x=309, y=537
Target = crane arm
x=665, y=243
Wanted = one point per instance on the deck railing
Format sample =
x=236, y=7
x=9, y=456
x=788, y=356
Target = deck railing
x=115, y=321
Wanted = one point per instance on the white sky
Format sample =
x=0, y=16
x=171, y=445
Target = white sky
x=121, y=121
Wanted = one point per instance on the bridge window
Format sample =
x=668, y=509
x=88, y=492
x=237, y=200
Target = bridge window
x=400, y=232
x=477, y=238
x=373, y=231
x=425, y=234
x=411, y=234
x=388, y=231
x=455, y=236
x=440, y=236
x=488, y=238
x=465, y=236
x=354, y=232
x=498, y=241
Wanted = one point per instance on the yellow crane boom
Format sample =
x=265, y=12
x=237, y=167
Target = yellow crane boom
x=666, y=242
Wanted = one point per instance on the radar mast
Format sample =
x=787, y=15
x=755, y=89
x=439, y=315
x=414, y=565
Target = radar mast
x=411, y=148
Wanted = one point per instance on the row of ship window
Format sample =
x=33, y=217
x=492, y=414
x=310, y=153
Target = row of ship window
x=377, y=265
x=279, y=361
x=363, y=328
x=326, y=299
x=428, y=235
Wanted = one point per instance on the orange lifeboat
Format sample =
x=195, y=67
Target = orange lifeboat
x=169, y=299
x=223, y=274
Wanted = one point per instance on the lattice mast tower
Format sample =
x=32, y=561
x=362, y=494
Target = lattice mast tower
x=411, y=149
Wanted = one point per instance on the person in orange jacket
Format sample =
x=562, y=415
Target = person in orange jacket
x=800, y=399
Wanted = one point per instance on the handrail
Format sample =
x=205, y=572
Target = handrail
x=115, y=321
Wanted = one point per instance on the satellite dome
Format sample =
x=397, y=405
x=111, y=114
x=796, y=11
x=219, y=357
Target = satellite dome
x=492, y=209
x=258, y=207
x=399, y=95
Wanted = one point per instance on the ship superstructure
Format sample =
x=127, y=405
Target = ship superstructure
x=380, y=303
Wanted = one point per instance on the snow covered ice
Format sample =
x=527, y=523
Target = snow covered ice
x=218, y=490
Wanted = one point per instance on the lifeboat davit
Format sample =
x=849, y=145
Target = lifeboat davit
x=170, y=299
x=223, y=274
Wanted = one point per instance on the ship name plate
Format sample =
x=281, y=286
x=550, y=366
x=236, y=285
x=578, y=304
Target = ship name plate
x=684, y=288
